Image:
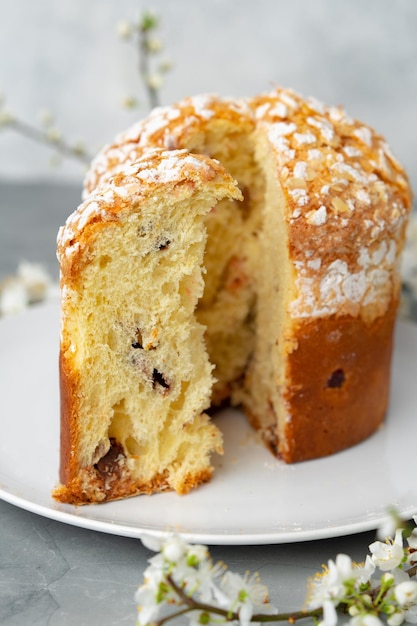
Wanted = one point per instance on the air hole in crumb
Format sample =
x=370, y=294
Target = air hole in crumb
x=112, y=339
x=337, y=379
x=245, y=204
x=179, y=402
x=158, y=379
x=133, y=447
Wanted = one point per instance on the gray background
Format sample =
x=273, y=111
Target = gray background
x=66, y=56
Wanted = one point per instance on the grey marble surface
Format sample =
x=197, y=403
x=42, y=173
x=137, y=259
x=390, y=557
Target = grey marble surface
x=60, y=575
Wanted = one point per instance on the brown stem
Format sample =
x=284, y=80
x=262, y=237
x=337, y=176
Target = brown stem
x=291, y=618
x=193, y=605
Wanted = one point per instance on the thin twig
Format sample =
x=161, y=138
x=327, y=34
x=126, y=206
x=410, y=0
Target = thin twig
x=144, y=68
x=194, y=605
x=41, y=136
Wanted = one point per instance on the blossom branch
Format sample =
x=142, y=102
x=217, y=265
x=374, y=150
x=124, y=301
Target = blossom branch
x=231, y=616
x=49, y=136
x=148, y=46
x=147, y=24
x=291, y=618
x=184, y=575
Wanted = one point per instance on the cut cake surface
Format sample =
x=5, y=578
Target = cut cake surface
x=182, y=290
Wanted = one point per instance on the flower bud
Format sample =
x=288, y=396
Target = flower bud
x=6, y=118
x=353, y=610
x=387, y=578
x=124, y=29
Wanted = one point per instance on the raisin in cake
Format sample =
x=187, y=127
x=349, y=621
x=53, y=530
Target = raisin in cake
x=296, y=314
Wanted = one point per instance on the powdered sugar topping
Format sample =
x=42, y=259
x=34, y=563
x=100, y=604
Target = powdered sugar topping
x=158, y=167
x=343, y=185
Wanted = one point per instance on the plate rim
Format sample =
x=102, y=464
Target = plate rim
x=213, y=539
x=69, y=514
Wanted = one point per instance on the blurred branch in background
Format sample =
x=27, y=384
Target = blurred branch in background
x=46, y=133
x=143, y=34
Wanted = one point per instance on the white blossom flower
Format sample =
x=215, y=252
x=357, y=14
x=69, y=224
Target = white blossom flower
x=411, y=614
x=29, y=285
x=150, y=596
x=329, y=614
x=364, y=572
x=399, y=576
x=148, y=606
x=182, y=575
x=204, y=581
x=36, y=281
x=177, y=563
x=13, y=298
x=412, y=541
x=245, y=594
x=174, y=549
x=196, y=553
x=406, y=593
x=397, y=618
x=330, y=584
x=389, y=555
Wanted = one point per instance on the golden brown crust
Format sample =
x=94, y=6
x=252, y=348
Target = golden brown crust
x=346, y=205
x=347, y=201
x=338, y=384
x=93, y=490
x=183, y=125
x=176, y=170
x=68, y=429
x=348, y=197
x=106, y=474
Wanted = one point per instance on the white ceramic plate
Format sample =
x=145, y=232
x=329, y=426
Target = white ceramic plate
x=252, y=499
